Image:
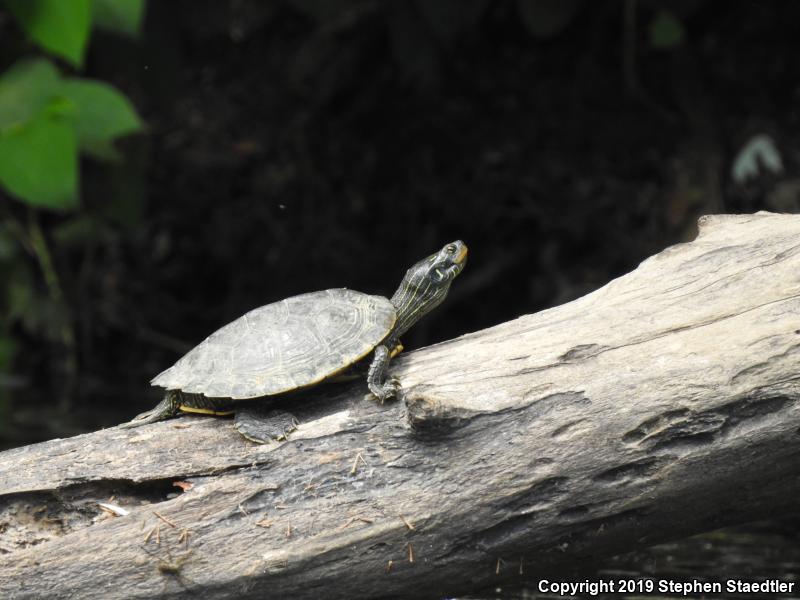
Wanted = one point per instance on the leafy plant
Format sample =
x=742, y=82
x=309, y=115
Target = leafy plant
x=45, y=120
x=48, y=118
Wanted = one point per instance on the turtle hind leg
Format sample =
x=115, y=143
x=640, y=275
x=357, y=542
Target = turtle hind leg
x=261, y=424
x=166, y=409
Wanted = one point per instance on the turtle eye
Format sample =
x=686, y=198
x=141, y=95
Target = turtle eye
x=450, y=248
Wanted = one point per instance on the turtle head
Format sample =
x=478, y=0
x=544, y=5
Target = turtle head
x=447, y=263
x=426, y=284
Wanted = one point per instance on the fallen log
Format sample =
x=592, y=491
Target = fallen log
x=661, y=405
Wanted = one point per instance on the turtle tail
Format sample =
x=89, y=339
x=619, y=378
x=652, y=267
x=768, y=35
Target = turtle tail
x=166, y=409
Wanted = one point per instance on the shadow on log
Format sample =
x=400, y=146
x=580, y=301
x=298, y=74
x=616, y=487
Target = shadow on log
x=661, y=405
x=764, y=553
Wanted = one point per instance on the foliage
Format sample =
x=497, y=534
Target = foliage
x=62, y=27
x=47, y=120
x=57, y=26
x=666, y=31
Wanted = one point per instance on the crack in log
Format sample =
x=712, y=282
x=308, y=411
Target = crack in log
x=428, y=415
x=544, y=405
x=538, y=496
x=566, y=429
x=766, y=365
x=32, y=518
x=581, y=352
x=579, y=511
x=780, y=257
x=654, y=424
x=699, y=324
x=685, y=429
x=430, y=418
x=642, y=469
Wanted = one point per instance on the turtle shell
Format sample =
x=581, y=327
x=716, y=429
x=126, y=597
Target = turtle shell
x=283, y=346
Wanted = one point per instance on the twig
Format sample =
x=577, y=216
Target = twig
x=265, y=523
x=355, y=463
x=150, y=533
x=497, y=568
x=185, y=533
x=352, y=520
x=165, y=519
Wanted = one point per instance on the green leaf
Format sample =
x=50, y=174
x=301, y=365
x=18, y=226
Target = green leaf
x=119, y=16
x=59, y=26
x=666, y=31
x=25, y=89
x=39, y=162
x=101, y=114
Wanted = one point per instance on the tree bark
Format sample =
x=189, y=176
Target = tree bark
x=661, y=405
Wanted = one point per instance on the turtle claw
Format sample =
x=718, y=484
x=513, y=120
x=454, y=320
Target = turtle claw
x=287, y=429
x=390, y=389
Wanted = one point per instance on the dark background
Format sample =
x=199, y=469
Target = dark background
x=297, y=145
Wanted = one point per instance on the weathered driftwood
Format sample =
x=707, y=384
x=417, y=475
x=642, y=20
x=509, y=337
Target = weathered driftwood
x=663, y=404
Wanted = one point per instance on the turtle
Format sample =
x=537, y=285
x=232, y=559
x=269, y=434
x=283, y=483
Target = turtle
x=299, y=342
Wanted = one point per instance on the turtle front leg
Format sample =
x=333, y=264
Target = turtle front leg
x=376, y=378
